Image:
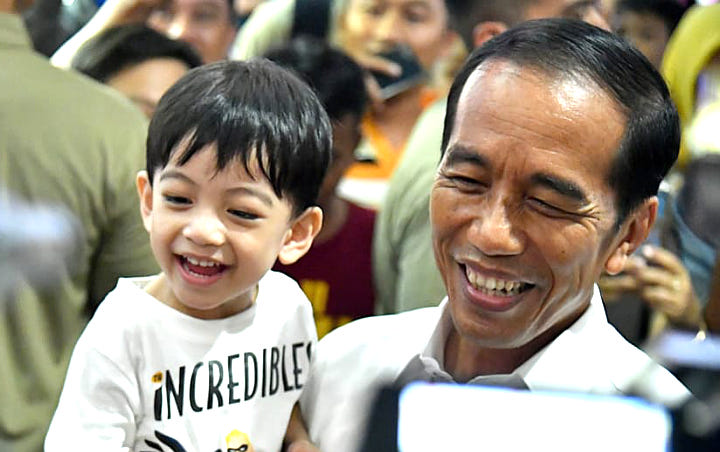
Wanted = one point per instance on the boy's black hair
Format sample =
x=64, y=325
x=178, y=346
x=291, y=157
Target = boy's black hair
x=119, y=47
x=670, y=11
x=336, y=78
x=250, y=110
x=564, y=48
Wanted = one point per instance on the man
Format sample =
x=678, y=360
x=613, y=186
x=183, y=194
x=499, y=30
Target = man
x=64, y=140
x=405, y=273
x=209, y=26
x=556, y=138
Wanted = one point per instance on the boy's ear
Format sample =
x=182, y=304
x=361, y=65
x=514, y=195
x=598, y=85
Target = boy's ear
x=300, y=236
x=145, y=193
x=633, y=231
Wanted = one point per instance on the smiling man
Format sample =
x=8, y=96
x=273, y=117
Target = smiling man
x=557, y=135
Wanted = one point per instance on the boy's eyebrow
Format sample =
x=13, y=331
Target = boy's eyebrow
x=263, y=197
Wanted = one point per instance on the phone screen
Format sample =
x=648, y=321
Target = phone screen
x=412, y=73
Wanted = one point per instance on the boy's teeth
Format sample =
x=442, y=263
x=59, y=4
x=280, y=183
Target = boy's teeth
x=194, y=261
x=499, y=286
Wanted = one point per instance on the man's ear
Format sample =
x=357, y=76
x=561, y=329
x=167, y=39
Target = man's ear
x=299, y=237
x=145, y=192
x=633, y=231
x=484, y=31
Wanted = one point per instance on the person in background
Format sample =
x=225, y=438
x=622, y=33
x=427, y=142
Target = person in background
x=136, y=60
x=364, y=29
x=647, y=24
x=691, y=67
x=406, y=276
x=236, y=154
x=209, y=26
x=65, y=140
x=535, y=196
x=335, y=273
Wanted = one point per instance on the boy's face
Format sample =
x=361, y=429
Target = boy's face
x=215, y=234
x=346, y=136
x=645, y=31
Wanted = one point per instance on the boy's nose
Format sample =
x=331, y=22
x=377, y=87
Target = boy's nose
x=206, y=230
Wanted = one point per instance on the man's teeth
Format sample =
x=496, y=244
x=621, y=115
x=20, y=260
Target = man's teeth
x=495, y=285
x=200, y=263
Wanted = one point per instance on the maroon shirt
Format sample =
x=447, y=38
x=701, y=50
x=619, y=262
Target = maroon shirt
x=337, y=275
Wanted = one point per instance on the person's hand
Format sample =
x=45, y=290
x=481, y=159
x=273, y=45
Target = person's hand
x=121, y=12
x=302, y=446
x=371, y=62
x=665, y=284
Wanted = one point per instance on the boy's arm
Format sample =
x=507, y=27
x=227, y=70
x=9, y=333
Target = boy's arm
x=296, y=436
x=97, y=404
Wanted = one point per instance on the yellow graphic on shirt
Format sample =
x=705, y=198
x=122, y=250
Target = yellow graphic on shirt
x=318, y=292
x=237, y=441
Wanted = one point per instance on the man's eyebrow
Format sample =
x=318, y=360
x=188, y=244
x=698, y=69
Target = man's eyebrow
x=459, y=154
x=561, y=186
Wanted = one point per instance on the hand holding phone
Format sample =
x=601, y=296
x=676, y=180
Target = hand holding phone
x=411, y=72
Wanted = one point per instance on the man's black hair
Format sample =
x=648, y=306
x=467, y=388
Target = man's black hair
x=567, y=48
x=336, y=78
x=251, y=111
x=670, y=11
x=465, y=14
x=123, y=46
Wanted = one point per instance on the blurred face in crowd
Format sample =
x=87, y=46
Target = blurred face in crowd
x=522, y=213
x=145, y=83
x=586, y=10
x=346, y=137
x=378, y=25
x=205, y=24
x=646, y=31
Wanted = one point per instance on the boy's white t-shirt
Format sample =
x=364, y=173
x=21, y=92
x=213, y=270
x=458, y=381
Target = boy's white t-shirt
x=146, y=377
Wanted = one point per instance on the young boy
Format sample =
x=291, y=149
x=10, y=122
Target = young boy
x=212, y=353
x=647, y=24
x=337, y=295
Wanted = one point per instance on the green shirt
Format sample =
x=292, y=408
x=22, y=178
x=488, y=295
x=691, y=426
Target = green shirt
x=69, y=141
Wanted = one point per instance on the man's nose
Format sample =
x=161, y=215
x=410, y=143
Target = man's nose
x=389, y=30
x=205, y=230
x=493, y=232
x=180, y=28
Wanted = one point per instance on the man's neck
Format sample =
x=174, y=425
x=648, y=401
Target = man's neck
x=465, y=359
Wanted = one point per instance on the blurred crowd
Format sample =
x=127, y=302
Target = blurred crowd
x=382, y=69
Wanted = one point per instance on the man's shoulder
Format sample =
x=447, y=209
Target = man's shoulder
x=381, y=339
x=71, y=94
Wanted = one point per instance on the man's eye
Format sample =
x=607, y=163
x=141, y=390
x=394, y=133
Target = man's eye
x=547, y=208
x=179, y=200
x=243, y=214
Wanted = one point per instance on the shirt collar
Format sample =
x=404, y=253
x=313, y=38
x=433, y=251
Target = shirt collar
x=549, y=368
x=13, y=32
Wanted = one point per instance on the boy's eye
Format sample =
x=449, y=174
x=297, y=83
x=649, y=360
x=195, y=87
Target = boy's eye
x=243, y=214
x=176, y=200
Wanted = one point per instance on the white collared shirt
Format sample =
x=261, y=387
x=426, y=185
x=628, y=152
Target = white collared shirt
x=354, y=361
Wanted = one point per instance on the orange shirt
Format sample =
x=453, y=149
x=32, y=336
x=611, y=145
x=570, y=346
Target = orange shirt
x=387, y=156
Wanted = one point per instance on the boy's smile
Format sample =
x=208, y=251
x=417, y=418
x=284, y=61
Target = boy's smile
x=214, y=233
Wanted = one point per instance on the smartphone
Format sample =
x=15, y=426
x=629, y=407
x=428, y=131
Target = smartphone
x=412, y=73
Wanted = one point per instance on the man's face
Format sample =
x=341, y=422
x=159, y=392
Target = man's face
x=586, y=10
x=522, y=214
x=379, y=25
x=346, y=137
x=145, y=83
x=205, y=24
